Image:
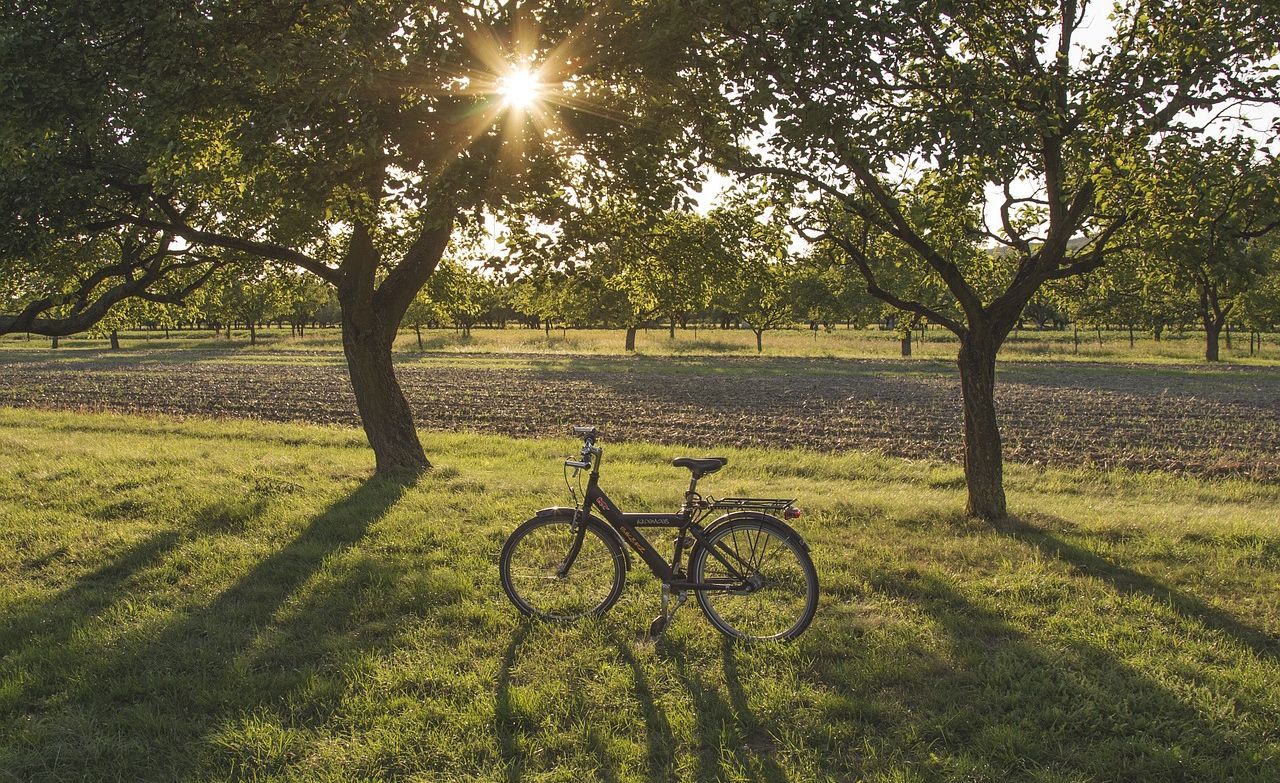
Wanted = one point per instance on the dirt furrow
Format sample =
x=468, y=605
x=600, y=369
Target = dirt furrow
x=1195, y=424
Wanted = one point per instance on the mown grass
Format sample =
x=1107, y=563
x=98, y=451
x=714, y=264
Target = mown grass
x=208, y=600
x=324, y=345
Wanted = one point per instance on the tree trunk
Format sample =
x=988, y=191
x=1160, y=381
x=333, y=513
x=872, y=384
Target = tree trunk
x=1157, y=331
x=1212, y=330
x=1131, y=335
x=983, y=457
x=384, y=412
x=55, y=343
x=115, y=340
x=631, y=339
x=906, y=343
x=1076, y=331
x=671, y=328
x=759, y=340
x=253, y=334
x=417, y=329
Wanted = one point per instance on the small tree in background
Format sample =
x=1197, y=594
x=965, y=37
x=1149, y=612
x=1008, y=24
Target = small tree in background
x=305, y=297
x=252, y=297
x=761, y=295
x=1208, y=205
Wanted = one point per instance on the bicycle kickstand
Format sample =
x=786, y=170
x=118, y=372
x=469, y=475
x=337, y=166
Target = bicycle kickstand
x=660, y=623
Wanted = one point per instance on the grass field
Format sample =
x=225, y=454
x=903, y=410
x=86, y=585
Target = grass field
x=214, y=600
x=869, y=343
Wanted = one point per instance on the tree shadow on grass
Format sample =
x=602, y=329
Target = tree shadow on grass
x=139, y=708
x=1129, y=582
x=1014, y=706
x=86, y=596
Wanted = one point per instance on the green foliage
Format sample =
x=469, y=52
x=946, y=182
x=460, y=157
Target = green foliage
x=900, y=120
x=300, y=136
x=1209, y=207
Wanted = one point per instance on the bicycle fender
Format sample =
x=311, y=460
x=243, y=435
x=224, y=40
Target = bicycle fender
x=787, y=530
x=568, y=511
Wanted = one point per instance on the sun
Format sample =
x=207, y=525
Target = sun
x=519, y=88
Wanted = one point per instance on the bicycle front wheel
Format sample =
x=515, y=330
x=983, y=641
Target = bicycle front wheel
x=763, y=583
x=544, y=578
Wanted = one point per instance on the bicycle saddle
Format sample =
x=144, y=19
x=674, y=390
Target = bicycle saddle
x=700, y=466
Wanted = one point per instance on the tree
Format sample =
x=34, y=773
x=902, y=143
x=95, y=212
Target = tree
x=824, y=291
x=538, y=296
x=424, y=310
x=463, y=294
x=1260, y=306
x=305, y=297
x=630, y=263
x=868, y=108
x=761, y=296
x=759, y=286
x=1208, y=206
x=252, y=296
x=348, y=141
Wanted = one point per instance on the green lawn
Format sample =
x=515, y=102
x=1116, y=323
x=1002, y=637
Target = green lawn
x=199, y=600
x=871, y=343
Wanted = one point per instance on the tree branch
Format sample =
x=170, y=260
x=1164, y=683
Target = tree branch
x=178, y=226
x=873, y=286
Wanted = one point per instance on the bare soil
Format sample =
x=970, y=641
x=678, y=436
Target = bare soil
x=1224, y=421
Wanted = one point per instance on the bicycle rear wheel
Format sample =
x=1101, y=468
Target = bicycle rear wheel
x=536, y=553
x=769, y=585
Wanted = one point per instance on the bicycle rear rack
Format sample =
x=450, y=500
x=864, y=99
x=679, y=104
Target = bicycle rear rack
x=753, y=504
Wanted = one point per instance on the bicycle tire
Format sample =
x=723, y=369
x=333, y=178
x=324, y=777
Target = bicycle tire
x=784, y=604
x=535, y=550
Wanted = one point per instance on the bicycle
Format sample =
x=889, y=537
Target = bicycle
x=750, y=570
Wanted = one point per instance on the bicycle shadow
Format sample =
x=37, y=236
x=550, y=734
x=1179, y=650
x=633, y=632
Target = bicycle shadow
x=511, y=727
x=725, y=725
x=506, y=723
x=725, y=721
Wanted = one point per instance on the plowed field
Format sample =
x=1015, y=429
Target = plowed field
x=1220, y=422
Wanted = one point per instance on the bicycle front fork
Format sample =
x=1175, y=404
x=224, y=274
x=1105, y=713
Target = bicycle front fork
x=579, y=528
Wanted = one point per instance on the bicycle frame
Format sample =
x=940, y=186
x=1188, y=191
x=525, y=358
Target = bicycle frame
x=627, y=527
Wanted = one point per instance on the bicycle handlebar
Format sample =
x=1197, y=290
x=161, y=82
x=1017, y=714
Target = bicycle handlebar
x=588, y=434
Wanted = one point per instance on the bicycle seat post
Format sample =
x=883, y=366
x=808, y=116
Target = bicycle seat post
x=690, y=493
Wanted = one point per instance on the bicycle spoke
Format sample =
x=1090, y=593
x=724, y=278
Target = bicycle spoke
x=777, y=599
x=533, y=567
